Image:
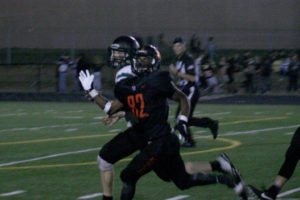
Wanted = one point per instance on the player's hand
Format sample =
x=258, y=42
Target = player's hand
x=86, y=79
x=172, y=69
x=110, y=120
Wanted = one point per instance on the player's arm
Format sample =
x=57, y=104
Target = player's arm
x=181, y=98
x=109, y=107
x=189, y=77
x=182, y=119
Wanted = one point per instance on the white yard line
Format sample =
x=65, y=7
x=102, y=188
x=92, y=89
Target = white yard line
x=93, y=149
x=289, y=133
x=12, y=193
x=13, y=114
x=115, y=130
x=46, y=127
x=71, y=129
x=198, y=132
x=289, y=192
x=69, y=117
x=259, y=130
x=49, y=156
x=100, y=117
x=179, y=197
x=74, y=111
x=210, y=114
x=90, y=196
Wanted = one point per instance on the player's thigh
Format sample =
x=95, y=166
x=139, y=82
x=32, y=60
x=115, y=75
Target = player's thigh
x=117, y=148
x=140, y=165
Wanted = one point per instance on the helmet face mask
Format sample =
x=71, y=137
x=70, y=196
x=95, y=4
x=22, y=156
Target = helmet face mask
x=118, y=58
x=146, y=60
x=122, y=50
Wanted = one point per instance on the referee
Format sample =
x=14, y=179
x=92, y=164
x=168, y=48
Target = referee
x=184, y=69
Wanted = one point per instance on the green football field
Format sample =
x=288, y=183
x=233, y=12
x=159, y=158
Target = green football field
x=48, y=150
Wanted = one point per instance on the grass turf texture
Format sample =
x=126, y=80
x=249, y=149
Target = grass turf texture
x=30, y=130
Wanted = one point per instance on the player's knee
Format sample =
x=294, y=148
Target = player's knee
x=189, y=167
x=104, y=165
x=128, y=177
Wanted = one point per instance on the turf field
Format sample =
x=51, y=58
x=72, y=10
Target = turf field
x=48, y=150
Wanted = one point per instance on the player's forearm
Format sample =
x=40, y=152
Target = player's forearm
x=188, y=77
x=101, y=101
x=109, y=107
x=184, y=102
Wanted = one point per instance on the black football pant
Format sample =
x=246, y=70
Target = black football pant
x=122, y=145
x=292, y=156
x=163, y=157
x=193, y=95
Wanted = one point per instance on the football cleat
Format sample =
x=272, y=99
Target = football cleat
x=239, y=187
x=225, y=164
x=258, y=194
x=214, y=127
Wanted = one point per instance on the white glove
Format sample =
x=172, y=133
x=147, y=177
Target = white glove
x=86, y=79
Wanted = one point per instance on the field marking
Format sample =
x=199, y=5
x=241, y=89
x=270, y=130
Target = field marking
x=13, y=114
x=253, y=120
x=56, y=139
x=90, y=196
x=179, y=197
x=289, y=192
x=289, y=133
x=259, y=130
x=69, y=117
x=12, y=193
x=71, y=129
x=233, y=144
x=115, y=130
x=70, y=138
x=49, y=156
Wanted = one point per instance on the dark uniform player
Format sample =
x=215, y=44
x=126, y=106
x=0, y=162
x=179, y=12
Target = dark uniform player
x=146, y=97
x=183, y=67
x=285, y=173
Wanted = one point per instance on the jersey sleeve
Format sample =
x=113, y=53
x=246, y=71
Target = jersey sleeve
x=119, y=92
x=164, y=84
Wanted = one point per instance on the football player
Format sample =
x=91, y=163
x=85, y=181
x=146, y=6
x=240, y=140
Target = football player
x=184, y=69
x=286, y=171
x=145, y=95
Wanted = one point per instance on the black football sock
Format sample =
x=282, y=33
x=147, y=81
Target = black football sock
x=107, y=198
x=215, y=165
x=273, y=191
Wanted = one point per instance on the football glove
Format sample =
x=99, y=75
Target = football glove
x=86, y=80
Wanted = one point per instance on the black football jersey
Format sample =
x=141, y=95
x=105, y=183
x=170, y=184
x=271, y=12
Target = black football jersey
x=146, y=97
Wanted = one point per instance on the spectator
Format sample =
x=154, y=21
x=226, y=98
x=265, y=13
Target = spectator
x=76, y=84
x=249, y=72
x=292, y=73
x=97, y=66
x=64, y=63
x=266, y=72
x=82, y=64
x=195, y=45
x=211, y=48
